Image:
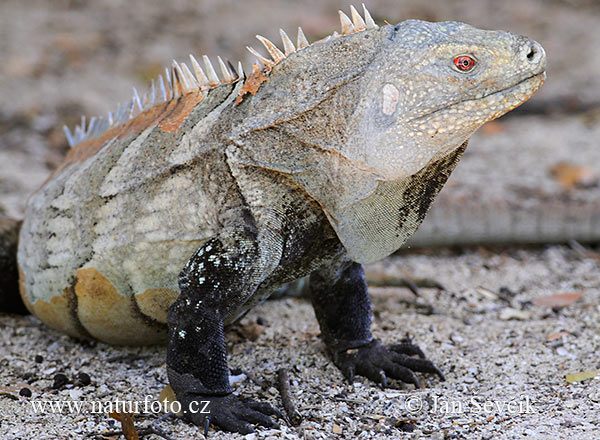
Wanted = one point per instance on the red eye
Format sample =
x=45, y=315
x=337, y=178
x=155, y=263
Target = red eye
x=464, y=63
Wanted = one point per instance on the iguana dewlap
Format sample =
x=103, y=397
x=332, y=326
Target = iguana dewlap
x=195, y=202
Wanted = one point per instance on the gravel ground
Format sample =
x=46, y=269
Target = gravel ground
x=495, y=347
x=505, y=358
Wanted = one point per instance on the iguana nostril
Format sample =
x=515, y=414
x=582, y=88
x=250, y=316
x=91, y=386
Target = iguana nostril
x=535, y=53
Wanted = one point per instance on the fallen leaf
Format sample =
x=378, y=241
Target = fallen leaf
x=553, y=336
x=9, y=394
x=251, y=331
x=167, y=397
x=581, y=376
x=557, y=300
x=570, y=176
x=127, y=427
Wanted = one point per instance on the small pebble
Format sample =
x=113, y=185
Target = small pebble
x=60, y=380
x=457, y=339
x=38, y=359
x=25, y=392
x=406, y=427
x=83, y=379
x=75, y=394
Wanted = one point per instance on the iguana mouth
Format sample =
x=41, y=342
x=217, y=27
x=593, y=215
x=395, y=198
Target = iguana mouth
x=523, y=81
x=476, y=105
x=529, y=86
x=539, y=76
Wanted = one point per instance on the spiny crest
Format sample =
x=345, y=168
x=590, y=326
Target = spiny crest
x=349, y=26
x=180, y=80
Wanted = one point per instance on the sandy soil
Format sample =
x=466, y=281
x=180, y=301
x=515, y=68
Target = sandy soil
x=65, y=58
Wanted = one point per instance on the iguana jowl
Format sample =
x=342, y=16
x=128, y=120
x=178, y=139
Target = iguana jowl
x=208, y=198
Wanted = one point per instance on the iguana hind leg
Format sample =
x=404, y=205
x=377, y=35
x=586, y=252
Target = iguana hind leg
x=341, y=301
x=215, y=284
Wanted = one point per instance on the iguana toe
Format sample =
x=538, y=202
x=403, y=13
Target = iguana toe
x=229, y=412
x=378, y=362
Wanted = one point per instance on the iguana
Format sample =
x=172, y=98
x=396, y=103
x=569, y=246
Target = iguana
x=174, y=216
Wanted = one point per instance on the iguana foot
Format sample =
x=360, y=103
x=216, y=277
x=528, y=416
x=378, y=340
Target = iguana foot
x=228, y=412
x=376, y=362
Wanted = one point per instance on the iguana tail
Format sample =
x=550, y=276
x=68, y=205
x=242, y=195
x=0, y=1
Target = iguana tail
x=10, y=300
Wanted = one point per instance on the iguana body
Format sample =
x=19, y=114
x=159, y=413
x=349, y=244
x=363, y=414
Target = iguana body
x=206, y=203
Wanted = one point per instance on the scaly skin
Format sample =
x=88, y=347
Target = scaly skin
x=212, y=200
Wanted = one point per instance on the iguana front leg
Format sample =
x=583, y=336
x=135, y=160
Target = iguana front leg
x=341, y=302
x=219, y=278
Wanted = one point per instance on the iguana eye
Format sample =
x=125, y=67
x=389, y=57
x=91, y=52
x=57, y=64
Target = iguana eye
x=464, y=63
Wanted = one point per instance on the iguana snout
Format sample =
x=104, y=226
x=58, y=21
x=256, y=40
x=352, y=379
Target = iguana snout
x=533, y=53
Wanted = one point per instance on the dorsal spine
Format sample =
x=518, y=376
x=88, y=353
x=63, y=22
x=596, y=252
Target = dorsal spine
x=180, y=80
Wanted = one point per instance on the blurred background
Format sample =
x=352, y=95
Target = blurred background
x=61, y=59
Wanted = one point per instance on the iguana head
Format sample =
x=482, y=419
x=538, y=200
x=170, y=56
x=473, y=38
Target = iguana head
x=432, y=85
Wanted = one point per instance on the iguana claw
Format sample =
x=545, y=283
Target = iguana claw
x=228, y=412
x=376, y=362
